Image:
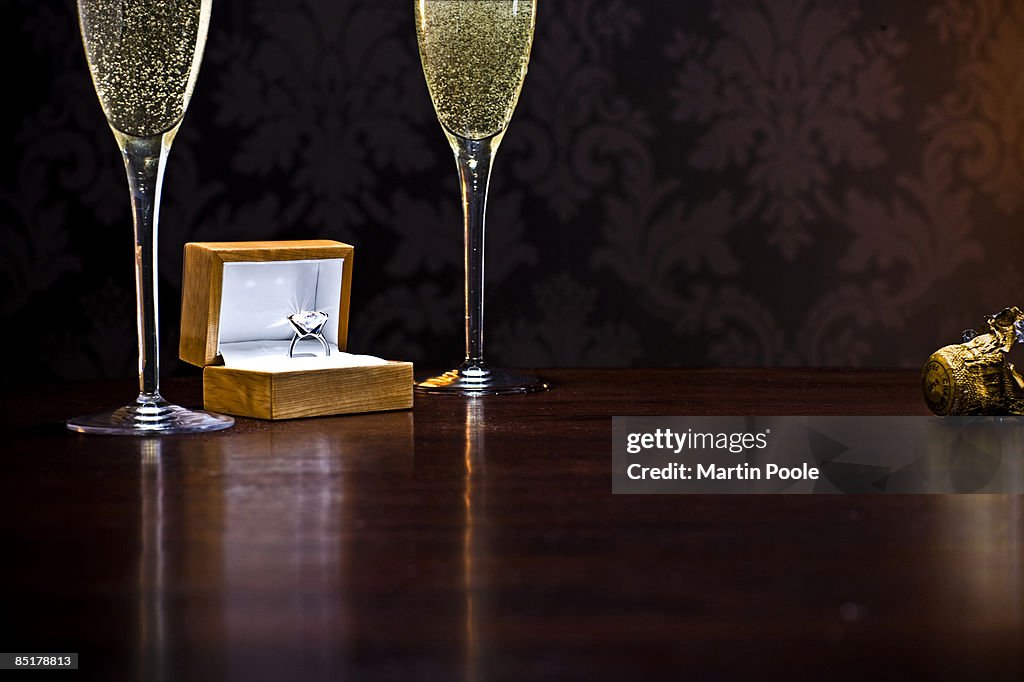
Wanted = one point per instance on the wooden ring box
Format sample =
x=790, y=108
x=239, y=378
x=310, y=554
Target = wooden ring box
x=236, y=297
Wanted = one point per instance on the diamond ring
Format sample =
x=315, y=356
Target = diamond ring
x=308, y=324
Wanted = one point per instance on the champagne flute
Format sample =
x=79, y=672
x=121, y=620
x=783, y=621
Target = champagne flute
x=144, y=57
x=475, y=55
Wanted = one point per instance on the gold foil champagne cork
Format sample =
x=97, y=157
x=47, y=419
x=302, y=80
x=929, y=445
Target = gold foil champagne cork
x=976, y=377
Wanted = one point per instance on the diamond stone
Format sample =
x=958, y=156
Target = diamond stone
x=1018, y=327
x=969, y=335
x=309, y=321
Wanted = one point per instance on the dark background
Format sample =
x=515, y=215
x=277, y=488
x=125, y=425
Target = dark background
x=684, y=183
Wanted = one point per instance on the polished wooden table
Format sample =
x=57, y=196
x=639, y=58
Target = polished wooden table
x=480, y=540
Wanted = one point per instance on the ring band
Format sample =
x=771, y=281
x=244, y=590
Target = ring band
x=308, y=324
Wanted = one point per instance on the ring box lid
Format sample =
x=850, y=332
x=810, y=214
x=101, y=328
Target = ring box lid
x=244, y=291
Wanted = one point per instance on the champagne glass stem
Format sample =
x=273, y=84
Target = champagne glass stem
x=474, y=158
x=144, y=160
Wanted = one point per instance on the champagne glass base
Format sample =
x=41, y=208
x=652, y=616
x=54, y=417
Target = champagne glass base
x=149, y=419
x=479, y=379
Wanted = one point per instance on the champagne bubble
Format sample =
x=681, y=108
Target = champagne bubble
x=144, y=57
x=475, y=54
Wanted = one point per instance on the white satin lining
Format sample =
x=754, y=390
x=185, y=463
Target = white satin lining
x=272, y=356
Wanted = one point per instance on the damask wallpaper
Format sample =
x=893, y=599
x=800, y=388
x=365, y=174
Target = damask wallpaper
x=727, y=182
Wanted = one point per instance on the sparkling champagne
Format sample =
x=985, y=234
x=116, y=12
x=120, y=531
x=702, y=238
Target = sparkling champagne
x=144, y=56
x=475, y=54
